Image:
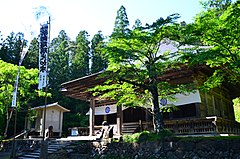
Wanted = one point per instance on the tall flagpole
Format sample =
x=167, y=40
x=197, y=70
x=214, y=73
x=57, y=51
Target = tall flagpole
x=43, y=81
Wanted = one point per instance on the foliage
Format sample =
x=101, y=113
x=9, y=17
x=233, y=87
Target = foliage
x=28, y=80
x=147, y=136
x=59, y=64
x=11, y=47
x=237, y=109
x=66, y=62
x=32, y=114
x=80, y=57
x=26, y=88
x=136, y=63
x=218, y=28
x=98, y=61
x=31, y=59
x=121, y=23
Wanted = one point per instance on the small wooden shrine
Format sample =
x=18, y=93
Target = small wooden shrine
x=54, y=118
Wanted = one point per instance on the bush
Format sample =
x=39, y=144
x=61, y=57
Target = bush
x=147, y=136
x=237, y=109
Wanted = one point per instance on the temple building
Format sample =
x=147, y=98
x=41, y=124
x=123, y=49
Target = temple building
x=198, y=112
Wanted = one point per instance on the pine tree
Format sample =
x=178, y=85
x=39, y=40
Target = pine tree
x=81, y=56
x=137, y=24
x=31, y=59
x=98, y=62
x=12, y=47
x=59, y=63
x=121, y=23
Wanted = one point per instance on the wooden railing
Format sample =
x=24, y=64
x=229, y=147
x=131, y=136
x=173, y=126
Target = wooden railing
x=208, y=125
x=226, y=126
x=191, y=126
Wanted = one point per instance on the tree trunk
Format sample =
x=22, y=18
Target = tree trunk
x=7, y=124
x=157, y=114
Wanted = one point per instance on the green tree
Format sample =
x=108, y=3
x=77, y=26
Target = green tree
x=98, y=61
x=81, y=56
x=62, y=50
x=31, y=59
x=216, y=4
x=137, y=24
x=59, y=70
x=121, y=22
x=26, y=88
x=135, y=63
x=218, y=28
x=11, y=48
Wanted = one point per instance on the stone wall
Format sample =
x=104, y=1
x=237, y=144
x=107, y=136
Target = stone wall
x=185, y=148
x=189, y=149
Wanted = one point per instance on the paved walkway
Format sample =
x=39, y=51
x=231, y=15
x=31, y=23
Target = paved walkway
x=83, y=138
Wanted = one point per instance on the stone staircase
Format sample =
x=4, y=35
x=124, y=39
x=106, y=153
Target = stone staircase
x=53, y=146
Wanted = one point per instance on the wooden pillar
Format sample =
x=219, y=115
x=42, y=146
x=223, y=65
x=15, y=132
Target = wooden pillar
x=91, y=117
x=119, y=120
x=198, y=113
x=104, y=117
x=60, y=123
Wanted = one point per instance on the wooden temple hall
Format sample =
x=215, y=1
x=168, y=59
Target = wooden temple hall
x=200, y=113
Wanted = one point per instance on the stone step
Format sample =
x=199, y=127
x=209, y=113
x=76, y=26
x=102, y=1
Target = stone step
x=53, y=146
x=30, y=155
x=34, y=153
x=27, y=158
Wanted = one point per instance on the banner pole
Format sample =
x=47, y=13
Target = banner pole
x=44, y=145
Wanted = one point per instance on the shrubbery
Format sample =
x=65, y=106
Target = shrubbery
x=147, y=136
x=237, y=109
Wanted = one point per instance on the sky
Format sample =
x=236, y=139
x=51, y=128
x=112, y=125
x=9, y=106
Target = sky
x=90, y=15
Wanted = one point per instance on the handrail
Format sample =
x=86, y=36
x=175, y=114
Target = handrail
x=203, y=125
x=23, y=132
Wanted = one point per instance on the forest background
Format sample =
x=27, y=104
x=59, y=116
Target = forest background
x=217, y=26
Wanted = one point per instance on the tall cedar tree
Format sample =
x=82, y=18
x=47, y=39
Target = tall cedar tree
x=81, y=56
x=61, y=54
x=98, y=61
x=11, y=48
x=59, y=71
x=121, y=23
x=31, y=58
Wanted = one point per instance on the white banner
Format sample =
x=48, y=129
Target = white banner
x=106, y=109
x=23, y=53
x=43, y=55
x=42, y=80
x=14, y=98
